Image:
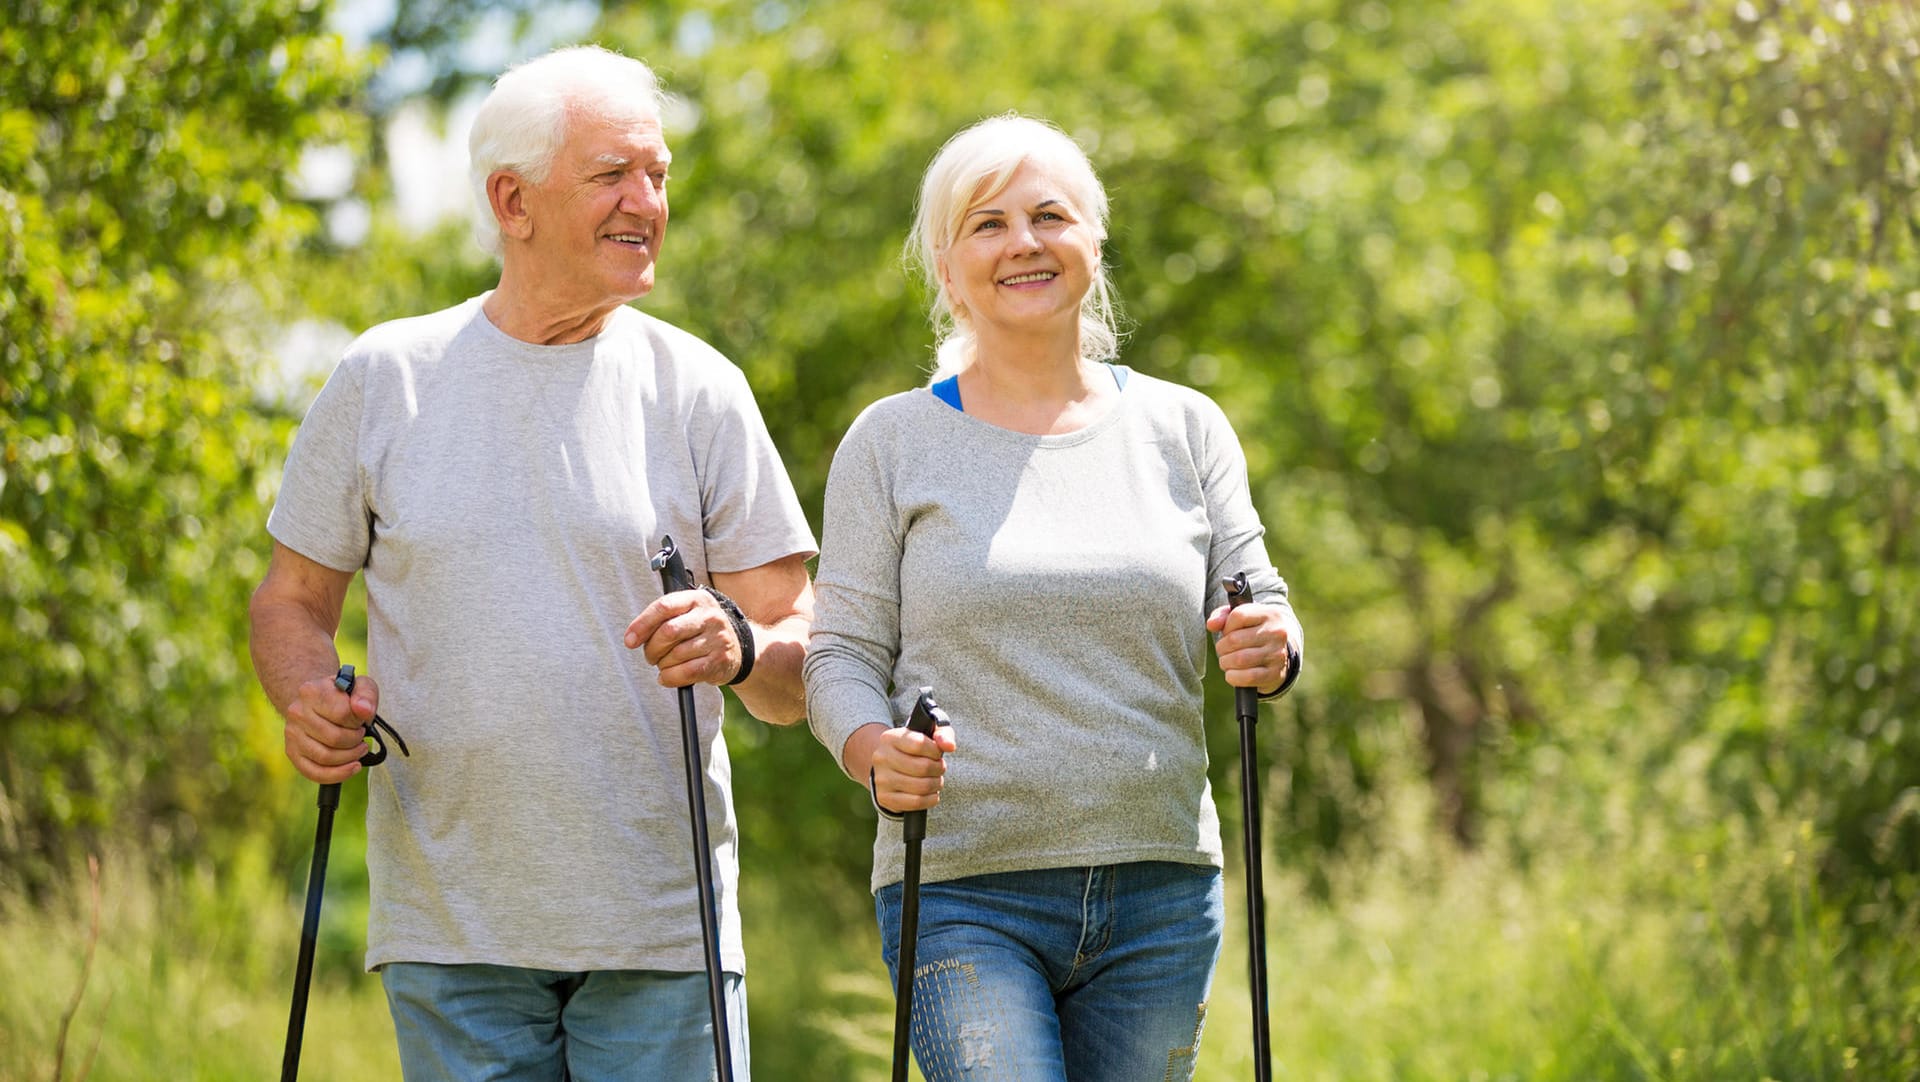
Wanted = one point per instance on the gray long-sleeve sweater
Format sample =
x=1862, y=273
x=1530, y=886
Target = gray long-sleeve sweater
x=1053, y=590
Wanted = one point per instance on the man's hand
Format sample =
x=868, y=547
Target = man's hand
x=688, y=637
x=326, y=729
x=295, y=613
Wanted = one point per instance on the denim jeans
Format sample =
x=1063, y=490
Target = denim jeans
x=1081, y=974
x=484, y=1022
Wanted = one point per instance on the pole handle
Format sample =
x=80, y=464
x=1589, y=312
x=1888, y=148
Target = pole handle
x=674, y=575
x=926, y=714
x=1246, y=701
x=925, y=717
x=345, y=680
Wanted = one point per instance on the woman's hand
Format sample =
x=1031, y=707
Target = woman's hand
x=1253, y=643
x=907, y=768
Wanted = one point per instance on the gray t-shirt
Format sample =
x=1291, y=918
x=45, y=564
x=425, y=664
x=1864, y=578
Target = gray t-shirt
x=503, y=500
x=1053, y=590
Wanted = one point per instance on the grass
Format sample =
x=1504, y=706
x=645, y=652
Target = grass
x=1728, y=965
x=191, y=979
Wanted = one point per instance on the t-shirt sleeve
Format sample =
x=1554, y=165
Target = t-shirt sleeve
x=751, y=514
x=322, y=511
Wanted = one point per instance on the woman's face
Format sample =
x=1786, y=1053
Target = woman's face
x=1024, y=257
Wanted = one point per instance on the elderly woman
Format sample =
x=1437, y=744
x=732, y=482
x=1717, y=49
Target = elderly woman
x=1040, y=536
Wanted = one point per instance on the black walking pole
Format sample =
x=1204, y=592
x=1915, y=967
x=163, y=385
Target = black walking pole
x=913, y=829
x=317, y=881
x=1246, y=706
x=673, y=578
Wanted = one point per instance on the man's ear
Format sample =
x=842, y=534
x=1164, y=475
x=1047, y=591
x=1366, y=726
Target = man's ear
x=507, y=195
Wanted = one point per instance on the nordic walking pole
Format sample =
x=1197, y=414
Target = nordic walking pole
x=317, y=881
x=913, y=829
x=1246, y=706
x=673, y=578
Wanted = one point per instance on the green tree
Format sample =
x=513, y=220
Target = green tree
x=146, y=216
x=1766, y=467
x=1565, y=344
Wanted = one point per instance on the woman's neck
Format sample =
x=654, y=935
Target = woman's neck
x=1037, y=388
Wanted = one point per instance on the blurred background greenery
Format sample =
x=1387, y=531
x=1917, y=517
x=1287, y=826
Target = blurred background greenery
x=1573, y=347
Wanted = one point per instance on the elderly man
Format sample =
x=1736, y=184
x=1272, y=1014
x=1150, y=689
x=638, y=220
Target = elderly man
x=500, y=472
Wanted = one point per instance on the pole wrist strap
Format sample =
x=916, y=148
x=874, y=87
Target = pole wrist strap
x=874, y=792
x=742, y=630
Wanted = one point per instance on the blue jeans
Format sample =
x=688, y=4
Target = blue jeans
x=475, y=1022
x=1083, y=974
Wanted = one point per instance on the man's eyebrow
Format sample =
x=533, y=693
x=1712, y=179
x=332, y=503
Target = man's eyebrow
x=623, y=160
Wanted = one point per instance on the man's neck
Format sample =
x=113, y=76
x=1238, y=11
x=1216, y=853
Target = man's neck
x=519, y=313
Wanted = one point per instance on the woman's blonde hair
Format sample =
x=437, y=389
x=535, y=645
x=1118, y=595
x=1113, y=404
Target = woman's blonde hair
x=977, y=163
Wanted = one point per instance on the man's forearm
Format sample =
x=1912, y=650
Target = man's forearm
x=289, y=649
x=291, y=635
x=773, y=692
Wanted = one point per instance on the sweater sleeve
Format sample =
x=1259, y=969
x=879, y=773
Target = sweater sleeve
x=1239, y=538
x=856, y=630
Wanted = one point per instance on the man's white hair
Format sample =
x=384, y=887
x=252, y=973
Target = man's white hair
x=523, y=122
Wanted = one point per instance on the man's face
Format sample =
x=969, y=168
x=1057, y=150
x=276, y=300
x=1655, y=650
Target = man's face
x=599, y=217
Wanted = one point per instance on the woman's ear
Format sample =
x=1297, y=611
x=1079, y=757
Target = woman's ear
x=945, y=283
x=507, y=195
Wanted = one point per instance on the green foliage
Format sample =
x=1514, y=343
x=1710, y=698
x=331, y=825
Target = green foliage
x=1566, y=344
x=1770, y=440
x=1573, y=351
x=145, y=224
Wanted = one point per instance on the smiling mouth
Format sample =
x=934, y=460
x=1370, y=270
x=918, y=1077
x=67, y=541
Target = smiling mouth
x=631, y=240
x=1033, y=276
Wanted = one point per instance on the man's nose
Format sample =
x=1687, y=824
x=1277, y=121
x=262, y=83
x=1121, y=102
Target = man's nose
x=640, y=194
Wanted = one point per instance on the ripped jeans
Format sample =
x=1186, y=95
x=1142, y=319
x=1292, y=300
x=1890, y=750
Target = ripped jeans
x=1062, y=974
